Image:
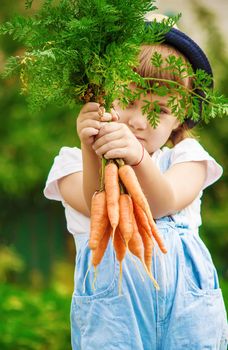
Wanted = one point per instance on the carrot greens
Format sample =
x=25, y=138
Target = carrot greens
x=85, y=50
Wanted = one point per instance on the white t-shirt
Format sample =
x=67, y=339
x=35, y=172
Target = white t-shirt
x=69, y=161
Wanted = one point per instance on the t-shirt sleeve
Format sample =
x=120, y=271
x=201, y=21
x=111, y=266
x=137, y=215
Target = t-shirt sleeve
x=190, y=150
x=68, y=161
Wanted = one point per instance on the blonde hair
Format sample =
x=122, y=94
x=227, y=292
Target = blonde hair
x=146, y=69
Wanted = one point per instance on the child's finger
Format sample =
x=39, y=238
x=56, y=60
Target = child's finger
x=93, y=123
x=106, y=147
x=87, y=132
x=115, y=153
x=104, y=139
x=106, y=117
x=101, y=111
x=115, y=115
x=107, y=128
x=89, y=115
x=90, y=107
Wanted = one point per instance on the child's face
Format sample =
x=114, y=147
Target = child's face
x=152, y=139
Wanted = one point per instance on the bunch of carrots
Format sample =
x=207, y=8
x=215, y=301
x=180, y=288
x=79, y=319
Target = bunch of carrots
x=120, y=211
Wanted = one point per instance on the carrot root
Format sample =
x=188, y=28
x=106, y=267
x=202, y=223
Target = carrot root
x=113, y=234
x=120, y=278
x=155, y=283
x=157, y=237
x=136, y=265
x=95, y=278
x=84, y=281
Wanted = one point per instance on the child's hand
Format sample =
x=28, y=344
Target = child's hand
x=90, y=121
x=115, y=140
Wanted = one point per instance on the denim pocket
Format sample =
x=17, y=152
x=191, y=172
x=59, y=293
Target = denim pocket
x=224, y=342
x=199, y=271
x=103, y=322
x=98, y=314
x=87, y=283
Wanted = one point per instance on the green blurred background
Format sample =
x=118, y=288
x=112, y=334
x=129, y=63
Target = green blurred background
x=36, y=251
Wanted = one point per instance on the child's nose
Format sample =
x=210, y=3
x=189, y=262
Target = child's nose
x=137, y=121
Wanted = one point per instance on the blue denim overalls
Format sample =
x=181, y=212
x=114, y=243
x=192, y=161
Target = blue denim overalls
x=186, y=313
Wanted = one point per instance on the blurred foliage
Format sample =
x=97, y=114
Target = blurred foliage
x=34, y=311
x=32, y=318
x=224, y=287
x=214, y=138
x=216, y=43
x=11, y=263
x=28, y=141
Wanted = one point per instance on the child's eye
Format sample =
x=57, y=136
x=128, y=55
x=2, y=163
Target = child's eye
x=163, y=111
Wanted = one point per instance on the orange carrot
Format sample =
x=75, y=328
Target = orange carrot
x=130, y=181
x=141, y=218
x=120, y=249
x=135, y=244
x=133, y=187
x=98, y=253
x=156, y=235
x=99, y=218
x=119, y=245
x=148, y=253
x=126, y=217
x=112, y=190
x=148, y=247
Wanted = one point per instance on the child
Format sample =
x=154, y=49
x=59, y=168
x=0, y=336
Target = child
x=188, y=311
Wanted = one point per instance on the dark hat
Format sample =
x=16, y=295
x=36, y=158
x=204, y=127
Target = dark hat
x=189, y=49
x=195, y=55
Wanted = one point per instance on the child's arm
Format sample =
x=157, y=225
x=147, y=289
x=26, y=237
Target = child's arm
x=175, y=189
x=166, y=193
